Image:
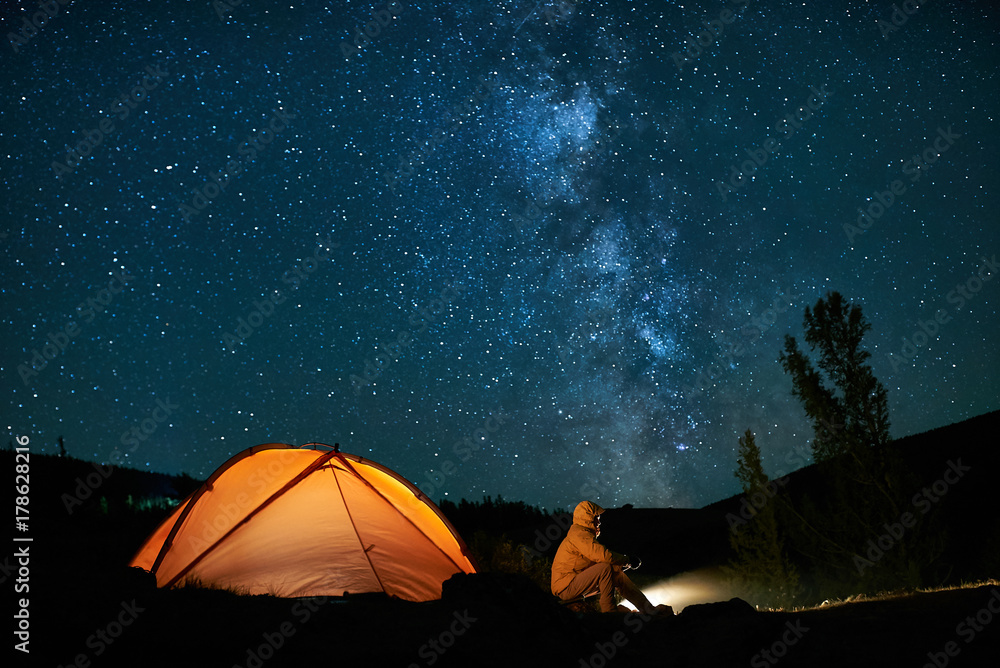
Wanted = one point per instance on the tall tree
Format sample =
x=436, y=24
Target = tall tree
x=852, y=414
x=866, y=484
x=759, y=568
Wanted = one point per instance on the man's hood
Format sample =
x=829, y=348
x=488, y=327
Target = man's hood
x=585, y=513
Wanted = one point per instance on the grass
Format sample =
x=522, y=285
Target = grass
x=895, y=595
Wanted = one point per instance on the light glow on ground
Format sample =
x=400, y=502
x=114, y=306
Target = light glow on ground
x=699, y=586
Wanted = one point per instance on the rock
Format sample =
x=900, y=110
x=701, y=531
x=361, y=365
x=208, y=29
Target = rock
x=734, y=608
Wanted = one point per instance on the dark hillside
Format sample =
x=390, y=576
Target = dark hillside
x=965, y=453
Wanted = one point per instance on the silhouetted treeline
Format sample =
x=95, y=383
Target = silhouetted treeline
x=515, y=519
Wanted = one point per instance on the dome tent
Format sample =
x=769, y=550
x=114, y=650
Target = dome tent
x=275, y=519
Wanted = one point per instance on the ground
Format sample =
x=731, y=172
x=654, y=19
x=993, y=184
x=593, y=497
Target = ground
x=116, y=618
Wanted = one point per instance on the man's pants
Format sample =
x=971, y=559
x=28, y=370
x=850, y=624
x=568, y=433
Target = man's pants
x=605, y=578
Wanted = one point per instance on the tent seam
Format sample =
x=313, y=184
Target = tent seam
x=302, y=475
x=401, y=514
x=354, y=526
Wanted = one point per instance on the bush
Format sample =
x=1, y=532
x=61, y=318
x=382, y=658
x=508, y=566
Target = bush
x=499, y=554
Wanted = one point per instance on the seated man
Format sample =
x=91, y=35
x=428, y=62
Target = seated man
x=583, y=565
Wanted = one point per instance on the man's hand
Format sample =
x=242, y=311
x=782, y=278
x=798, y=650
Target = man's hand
x=633, y=563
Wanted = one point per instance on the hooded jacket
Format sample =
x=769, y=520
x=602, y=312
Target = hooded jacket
x=580, y=550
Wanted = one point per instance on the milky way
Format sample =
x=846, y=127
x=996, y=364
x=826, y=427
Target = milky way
x=543, y=250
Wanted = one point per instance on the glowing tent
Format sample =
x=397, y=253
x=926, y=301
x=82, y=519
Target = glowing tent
x=288, y=521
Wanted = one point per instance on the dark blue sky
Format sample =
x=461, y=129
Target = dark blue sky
x=546, y=250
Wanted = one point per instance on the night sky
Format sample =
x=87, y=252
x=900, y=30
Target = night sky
x=546, y=250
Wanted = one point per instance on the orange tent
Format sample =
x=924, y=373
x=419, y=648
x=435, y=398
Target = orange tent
x=288, y=521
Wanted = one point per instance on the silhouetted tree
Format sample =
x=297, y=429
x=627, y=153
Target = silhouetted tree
x=852, y=413
x=866, y=484
x=759, y=568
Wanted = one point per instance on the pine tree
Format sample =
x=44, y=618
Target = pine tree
x=852, y=416
x=759, y=568
x=866, y=484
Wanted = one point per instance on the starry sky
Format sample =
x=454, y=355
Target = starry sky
x=547, y=250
